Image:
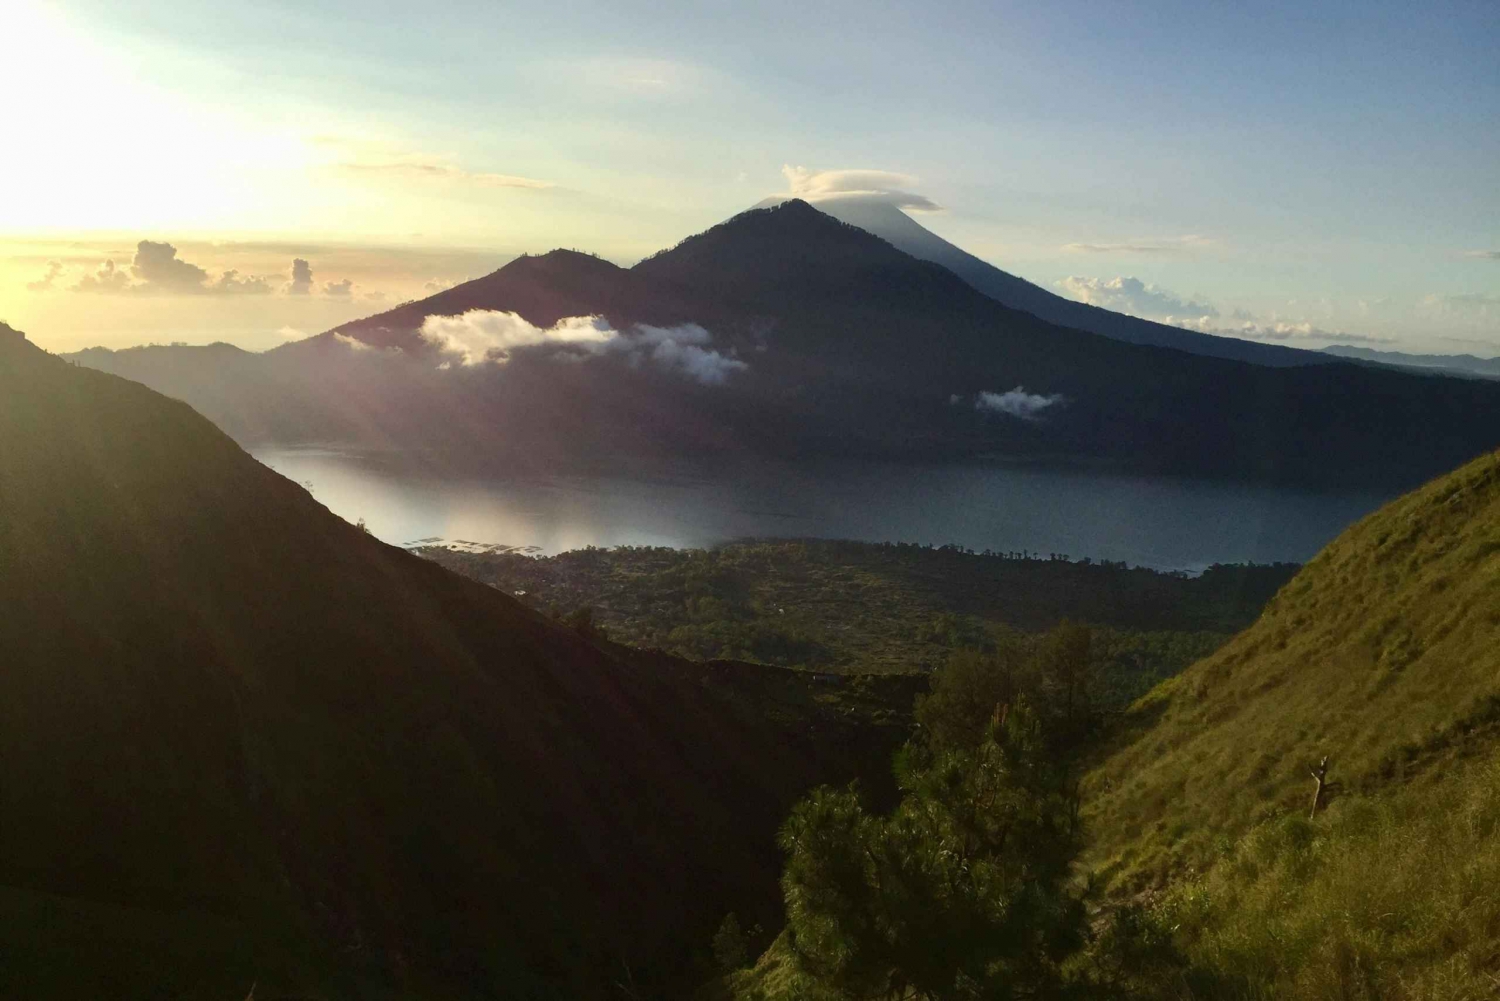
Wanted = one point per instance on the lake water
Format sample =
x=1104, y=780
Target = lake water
x=1156, y=522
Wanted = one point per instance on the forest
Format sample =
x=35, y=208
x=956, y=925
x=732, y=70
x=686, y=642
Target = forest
x=844, y=607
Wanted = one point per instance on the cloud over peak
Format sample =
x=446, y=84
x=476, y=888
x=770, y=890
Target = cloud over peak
x=491, y=336
x=876, y=186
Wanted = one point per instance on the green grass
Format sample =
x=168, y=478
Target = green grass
x=1382, y=653
x=1383, y=897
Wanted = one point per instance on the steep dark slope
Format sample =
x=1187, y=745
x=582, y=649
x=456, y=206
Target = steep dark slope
x=242, y=740
x=906, y=234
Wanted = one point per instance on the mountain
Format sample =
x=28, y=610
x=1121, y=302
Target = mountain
x=1448, y=364
x=242, y=741
x=905, y=233
x=1380, y=655
x=784, y=331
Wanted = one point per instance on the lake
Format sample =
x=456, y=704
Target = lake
x=1163, y=523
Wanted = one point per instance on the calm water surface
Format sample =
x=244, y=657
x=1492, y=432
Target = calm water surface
x=1162, y=523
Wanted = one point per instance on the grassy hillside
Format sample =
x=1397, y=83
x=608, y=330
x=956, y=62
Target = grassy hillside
x=241, y=740
x=1382, y=654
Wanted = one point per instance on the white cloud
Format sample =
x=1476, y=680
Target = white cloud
x=45, y=283
x=1276, y=330
x=484, y=335
x=1165, y=245
x=231, y=283
x=881, y=186
x=301, y=283
x=1016, y=402
x=108, y=279
x=1133, y=296
x=357, y=345
x=681, y=349
x=1484, y=255
x=489, y=336
x=157, y=269
x=339, y=289
x=158, y=266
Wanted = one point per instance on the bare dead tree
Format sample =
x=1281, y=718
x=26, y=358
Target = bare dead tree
x=1318, y=774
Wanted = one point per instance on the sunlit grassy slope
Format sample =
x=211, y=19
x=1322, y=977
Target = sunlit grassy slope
x=1382, y=654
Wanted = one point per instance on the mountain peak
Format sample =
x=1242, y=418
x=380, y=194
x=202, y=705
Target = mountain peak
x=783, y=245
x=561, y=261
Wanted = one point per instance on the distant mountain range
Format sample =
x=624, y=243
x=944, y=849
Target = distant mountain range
x=1448, y=364
x=787, y=331
x=244, y=743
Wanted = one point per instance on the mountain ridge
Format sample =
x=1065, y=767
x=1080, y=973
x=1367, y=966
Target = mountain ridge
x=905, y=233
x=792, y=334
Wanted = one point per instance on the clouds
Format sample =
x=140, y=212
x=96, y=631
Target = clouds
x=301, y=283
x=107, y=280
x=486, y=335
x=1282, y=331
x=877, y=186
x=1168, y=245
x=1015, y=403
x=157, y=265
x=490, y=336
x=230, y=283
x=1133, y=296
x=682, y=349
x=158, y=269
x=1483, y=255
x=45, y=283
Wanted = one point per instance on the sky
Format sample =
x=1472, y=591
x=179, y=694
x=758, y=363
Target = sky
x=1313, y=173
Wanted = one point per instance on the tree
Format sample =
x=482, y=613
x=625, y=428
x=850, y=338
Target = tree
x=1064, y=662
x=958, y=711
x=960, y=892
x=731, y=945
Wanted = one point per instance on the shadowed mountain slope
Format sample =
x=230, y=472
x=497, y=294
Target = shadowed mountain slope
x=241, y=740
x=905, y=233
